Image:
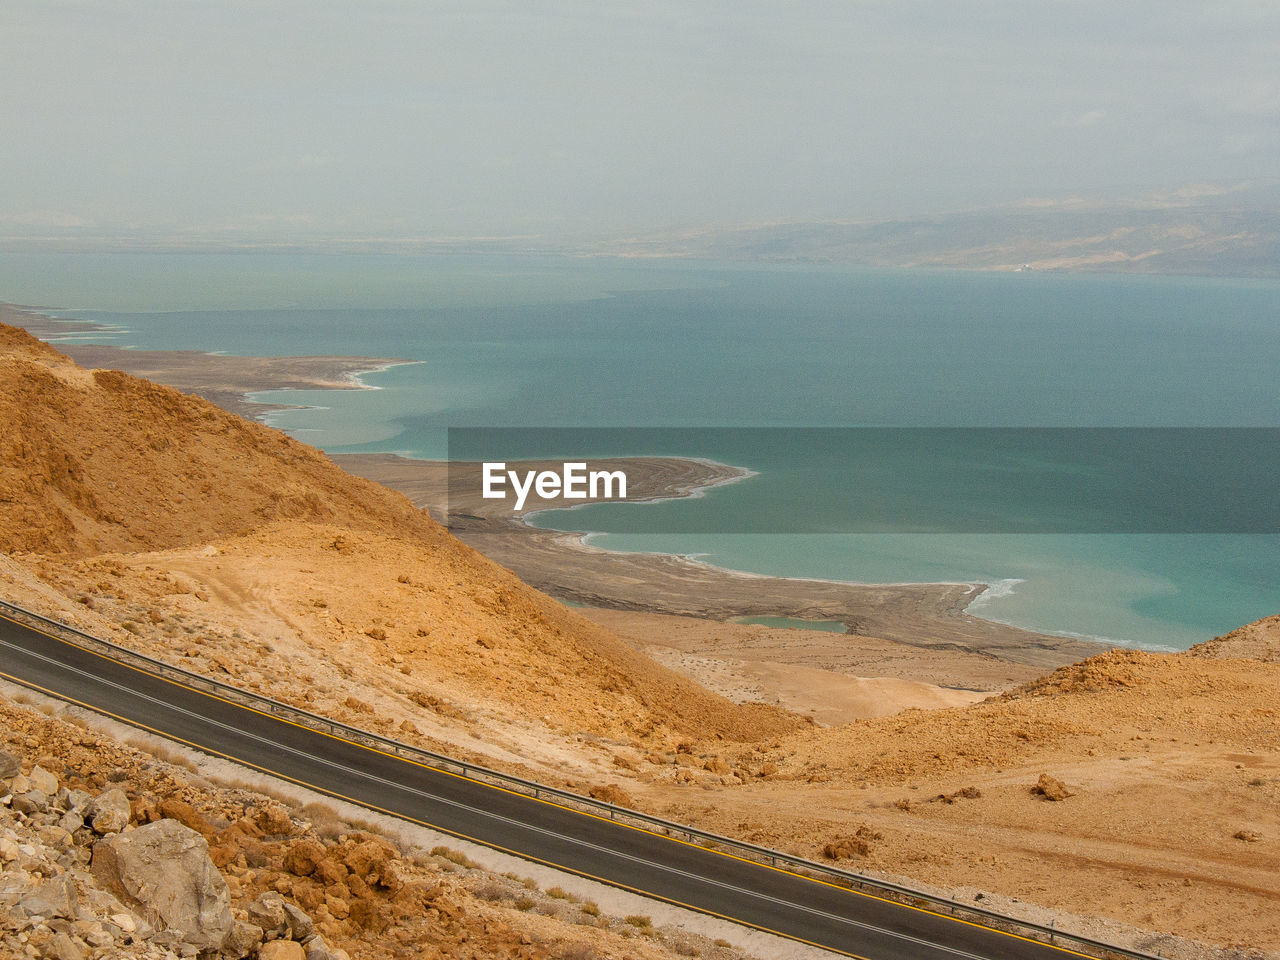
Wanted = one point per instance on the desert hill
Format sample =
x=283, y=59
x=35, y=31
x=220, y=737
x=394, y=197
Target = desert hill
x=98, y=462
x=1254, y=641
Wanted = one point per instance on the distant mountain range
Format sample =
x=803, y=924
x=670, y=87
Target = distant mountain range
x=1218, y=233
x=1209, y=230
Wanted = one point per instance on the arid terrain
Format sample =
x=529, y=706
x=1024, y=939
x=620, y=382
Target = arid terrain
x=268, y=869
x=1133, y=795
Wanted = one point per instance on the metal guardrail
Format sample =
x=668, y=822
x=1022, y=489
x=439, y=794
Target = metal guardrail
x=775, y=858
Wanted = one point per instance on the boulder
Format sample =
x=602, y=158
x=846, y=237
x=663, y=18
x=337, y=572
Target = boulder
x=109, y=812
x=164, y=873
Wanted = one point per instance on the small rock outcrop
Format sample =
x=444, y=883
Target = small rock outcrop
x=1051, y=788
x=847, y=848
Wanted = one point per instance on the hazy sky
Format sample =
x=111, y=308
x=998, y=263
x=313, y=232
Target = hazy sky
x=483, y=117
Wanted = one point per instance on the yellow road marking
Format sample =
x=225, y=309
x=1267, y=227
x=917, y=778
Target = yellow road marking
x=552, y=803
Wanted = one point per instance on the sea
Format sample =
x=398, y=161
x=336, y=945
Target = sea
x=525, y=342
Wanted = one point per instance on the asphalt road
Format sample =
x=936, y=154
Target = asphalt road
x=822, y=914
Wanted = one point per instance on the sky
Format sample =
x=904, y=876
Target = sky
x=567, y=119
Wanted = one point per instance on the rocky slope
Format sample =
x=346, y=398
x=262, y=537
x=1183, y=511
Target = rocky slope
x=98, y=462
x=108, y=852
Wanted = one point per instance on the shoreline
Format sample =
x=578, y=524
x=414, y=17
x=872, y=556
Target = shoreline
x=921, y=616
x=228, y=381
x=567, y=566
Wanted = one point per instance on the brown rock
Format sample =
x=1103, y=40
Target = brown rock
x=329, y=872
x=10, y=766
x=612, y=793
x=967, y=793
x=858, y=845
x=309, y=896
x=109, y=812
x=303, y=858
x=274, y=821
x=369, y=915
x=243, y=939
x=269, y=913
x=62, y=947
x=244, y=827
x=282, y=950
x=143, y=810
x=357, y=887
x=1051, y=788
x=390, y=877
x=223, y=854
x=43, y=780
x=418, y=894
x=318, y=949
x=367, y=858
x=187, y=815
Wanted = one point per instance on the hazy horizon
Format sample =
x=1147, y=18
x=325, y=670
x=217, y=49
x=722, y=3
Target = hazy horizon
x=572, y=120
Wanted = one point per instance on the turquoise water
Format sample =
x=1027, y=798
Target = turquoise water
x=545, y=342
